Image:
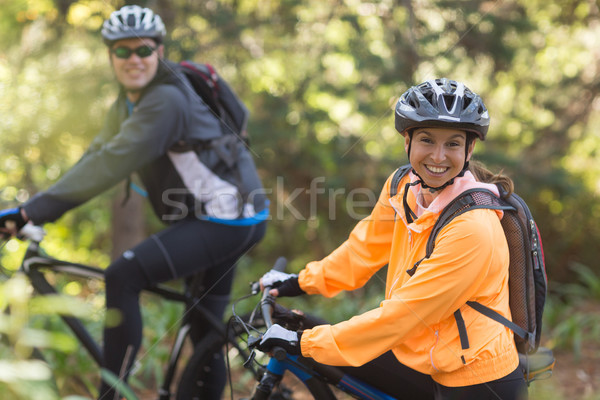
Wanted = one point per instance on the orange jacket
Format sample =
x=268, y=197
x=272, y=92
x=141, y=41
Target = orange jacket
x=416, y=318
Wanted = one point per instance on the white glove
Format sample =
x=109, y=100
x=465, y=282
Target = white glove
x=277, y=335
x=272, y=278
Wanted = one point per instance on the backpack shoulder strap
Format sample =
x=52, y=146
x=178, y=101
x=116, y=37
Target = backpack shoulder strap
x=488, y=312
x=398, y=175
x=469, y=200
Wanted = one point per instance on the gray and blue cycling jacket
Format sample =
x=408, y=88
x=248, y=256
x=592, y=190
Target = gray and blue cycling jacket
x=168, y=138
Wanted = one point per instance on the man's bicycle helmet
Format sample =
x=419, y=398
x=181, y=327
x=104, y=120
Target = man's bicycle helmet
x=442, y=103
x=133, y=22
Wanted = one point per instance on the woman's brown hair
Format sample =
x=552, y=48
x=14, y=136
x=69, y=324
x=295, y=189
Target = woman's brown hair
x=483, y=174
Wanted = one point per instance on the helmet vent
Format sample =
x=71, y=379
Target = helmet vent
x=429, y=97
x=448, y=101
x=466, y=101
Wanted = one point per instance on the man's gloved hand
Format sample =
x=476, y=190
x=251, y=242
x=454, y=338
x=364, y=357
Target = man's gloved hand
x=277, y=335
x=286, y=284
x=11, y=221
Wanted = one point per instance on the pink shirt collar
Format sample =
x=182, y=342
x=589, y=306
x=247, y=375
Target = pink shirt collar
x=460, y=185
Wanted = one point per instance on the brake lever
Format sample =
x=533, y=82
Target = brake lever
x=255, y=288
x=250, y=359
x=253, y=341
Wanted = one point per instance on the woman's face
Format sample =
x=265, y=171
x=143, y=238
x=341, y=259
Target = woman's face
x=438, y=154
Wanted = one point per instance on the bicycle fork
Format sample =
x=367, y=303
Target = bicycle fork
x=273, y=375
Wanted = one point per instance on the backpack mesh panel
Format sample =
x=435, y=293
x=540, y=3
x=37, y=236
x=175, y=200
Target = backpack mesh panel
x=521, y=281
x=522, y=292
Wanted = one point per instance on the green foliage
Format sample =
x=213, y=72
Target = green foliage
x=321, y=78
x=63, y=363
x=572, y=314
x=161, y=321
x=24, y=373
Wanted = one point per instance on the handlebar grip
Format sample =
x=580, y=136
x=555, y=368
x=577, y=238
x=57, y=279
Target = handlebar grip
x=279, y=353
x=266, y=301
x=280, y=264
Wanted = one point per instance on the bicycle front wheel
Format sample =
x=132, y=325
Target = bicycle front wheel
x=214, y=362
x=198, y=378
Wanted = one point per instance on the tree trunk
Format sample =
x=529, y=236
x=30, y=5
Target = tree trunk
x=128, y=224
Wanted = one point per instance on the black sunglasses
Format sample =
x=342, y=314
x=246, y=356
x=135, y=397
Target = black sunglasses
x=126, y=52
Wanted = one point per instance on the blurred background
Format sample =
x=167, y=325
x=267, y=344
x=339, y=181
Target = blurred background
x=321, y=78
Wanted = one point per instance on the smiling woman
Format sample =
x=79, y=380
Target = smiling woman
x=438, y=155
x=412, y=335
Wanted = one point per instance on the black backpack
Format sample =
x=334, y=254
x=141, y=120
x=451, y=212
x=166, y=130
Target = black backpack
x=527, y=272
x=232, y=148
x=219, y=96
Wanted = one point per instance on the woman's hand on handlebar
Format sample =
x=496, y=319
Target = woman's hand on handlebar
x=11, y=221
x=281, y=284
x=278, y=336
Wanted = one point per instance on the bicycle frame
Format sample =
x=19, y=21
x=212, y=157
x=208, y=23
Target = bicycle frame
x=331, y=375
x=35, y=262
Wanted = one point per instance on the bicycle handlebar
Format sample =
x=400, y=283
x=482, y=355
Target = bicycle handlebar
x=266, y=302
x=266, y=307
x=280, y=264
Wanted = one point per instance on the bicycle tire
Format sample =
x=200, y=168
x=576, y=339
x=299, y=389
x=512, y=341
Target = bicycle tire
x=191, y=383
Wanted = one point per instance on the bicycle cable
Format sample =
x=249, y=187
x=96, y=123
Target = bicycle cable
x=227, y=363
x=244, y=324
x=235, y=317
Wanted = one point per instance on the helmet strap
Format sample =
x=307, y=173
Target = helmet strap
x=410, y=215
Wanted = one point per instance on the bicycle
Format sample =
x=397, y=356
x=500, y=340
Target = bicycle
x=318, y=379
x=36, y=264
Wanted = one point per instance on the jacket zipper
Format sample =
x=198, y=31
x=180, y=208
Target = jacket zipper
x=437, y=337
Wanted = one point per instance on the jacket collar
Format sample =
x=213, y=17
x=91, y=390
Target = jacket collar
x=426, y=217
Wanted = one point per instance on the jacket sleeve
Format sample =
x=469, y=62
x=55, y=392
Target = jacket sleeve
x=441, y=285
x=156, y=123
x=352, y=264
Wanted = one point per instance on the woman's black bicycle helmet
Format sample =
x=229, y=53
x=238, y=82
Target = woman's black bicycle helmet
x=133, y=22
x=442, y=103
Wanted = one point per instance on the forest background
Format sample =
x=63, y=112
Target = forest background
x=320, y=78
